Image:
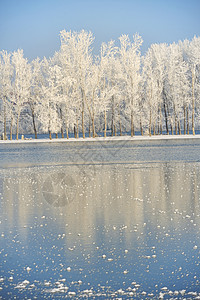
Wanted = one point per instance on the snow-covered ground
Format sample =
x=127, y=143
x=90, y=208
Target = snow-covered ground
x=103, y=139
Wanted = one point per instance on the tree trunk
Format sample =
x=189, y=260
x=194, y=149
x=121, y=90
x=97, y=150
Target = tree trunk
x=105, y=123
x=158, y=126
x=113, y=117
x=179, y=127
x=17, y=133
x=171, y=120
x=67, y=132
x=34, y=125
x=172, y=131
x=50, y=136
x=184, y=119
x=56, y=135
x=175, y=117
x=114, y=121
x=11, y=127
x=141, y=128
x=74, y=131
x=150, y=119
x=62, y=133
x=77, y=131
x=83, y=130
x=161, y=119
x=176, y=132
x=61, y=129
x=93, y=127
x=176, y=125
x=166, y=118
x=49, y=116
x=4, y=104
x=188, y=129
x=89, y=127
x=132, y=124
x=193, y=82
x=154, y=128
x=120, y=125
x=120, y=128
x=66, y=123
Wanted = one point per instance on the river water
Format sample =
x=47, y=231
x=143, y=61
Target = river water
x=104, y=220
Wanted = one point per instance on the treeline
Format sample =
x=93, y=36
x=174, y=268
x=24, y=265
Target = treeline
x=120, y=90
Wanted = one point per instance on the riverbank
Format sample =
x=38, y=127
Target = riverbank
x=105, y=139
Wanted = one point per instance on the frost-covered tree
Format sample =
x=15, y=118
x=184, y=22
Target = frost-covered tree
x=151, y=91
x=67, y=114
x=93, y=98
x=35, y=91
x=77, y=46
x=20, y=84
x=159, y=62
x=176, y=86
x=117, y=90
x=191, y=54
x=50, y=97
x=6, y=74
x=131, y=64
x=108, y=83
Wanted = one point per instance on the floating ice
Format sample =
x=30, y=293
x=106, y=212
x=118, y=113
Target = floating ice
x=120, y=291
x=22, y=285
x=161, y=295
x=71, y=293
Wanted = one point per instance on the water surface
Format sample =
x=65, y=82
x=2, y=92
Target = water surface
x=112, y=220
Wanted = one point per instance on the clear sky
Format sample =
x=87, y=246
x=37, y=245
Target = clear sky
x=34, y=25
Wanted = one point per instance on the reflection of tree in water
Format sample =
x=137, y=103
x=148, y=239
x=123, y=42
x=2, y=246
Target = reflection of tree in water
x=123, y=219
x=129, y=193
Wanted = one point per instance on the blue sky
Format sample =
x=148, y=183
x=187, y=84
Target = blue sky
x=34, y=25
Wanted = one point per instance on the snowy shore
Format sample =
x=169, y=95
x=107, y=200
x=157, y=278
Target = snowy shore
x=107, y=139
